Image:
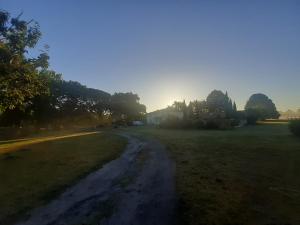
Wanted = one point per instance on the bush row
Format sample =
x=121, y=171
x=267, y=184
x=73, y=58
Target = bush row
x=294, y=126
x=222, y=123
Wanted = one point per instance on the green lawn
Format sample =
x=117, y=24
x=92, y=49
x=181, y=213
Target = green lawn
x=249, y=175
x=33, y=174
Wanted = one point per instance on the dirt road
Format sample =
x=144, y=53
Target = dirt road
x=135, y=189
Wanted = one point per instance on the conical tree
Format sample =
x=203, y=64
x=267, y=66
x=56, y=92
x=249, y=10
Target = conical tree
x=234, y=107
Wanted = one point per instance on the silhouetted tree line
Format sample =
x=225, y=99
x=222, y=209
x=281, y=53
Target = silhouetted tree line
x=218, y=111
x=30, y=93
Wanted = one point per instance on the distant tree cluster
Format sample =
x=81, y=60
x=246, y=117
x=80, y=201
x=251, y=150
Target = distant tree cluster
x=30, y=93
x=218, y=111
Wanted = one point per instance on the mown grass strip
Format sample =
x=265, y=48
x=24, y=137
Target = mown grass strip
x=11, y=145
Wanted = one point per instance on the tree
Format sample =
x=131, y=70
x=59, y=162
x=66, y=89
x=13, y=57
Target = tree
x=234, y=107
x=181, y=107
x=31, y=93
x=260, y=107
x=218, y=102
x=45, y=108
x=197, y=109
x=70, y=99
x=20, y=79
x=126, y=106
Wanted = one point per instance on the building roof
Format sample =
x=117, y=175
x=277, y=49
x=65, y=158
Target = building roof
x=168, y=109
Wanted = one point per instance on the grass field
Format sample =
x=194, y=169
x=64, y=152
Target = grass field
x=245, y=176
x=32, y=174
x=15, y=144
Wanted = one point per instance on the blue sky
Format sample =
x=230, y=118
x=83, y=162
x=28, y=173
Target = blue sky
x=174, y=50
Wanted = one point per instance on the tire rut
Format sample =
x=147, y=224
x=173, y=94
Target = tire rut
x=137, y=188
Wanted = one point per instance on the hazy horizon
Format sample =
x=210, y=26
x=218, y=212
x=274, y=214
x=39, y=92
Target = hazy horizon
x=179, y=50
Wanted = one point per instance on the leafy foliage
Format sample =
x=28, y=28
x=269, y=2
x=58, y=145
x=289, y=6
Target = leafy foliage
x=20, y=78
x=69, y=103
x=217, y=112
x=218, y=102
x=32, y=94
x=126, y=106
x=294, y=126
x=260, y=107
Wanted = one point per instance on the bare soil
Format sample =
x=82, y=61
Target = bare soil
x=137, y=188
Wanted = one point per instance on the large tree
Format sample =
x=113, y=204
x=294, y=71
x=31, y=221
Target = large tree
x=218, y=102
x=20, y=79
x=29, y=92
x=181, y=107
x=260, y=107
x=69, y=99
x=126, y=106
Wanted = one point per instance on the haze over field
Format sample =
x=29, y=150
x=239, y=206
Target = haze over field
x=174, y=50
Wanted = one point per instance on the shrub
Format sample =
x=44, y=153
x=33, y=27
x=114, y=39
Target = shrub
x=211, y=124
x=198, y=123
x=234, y=122
x=176, y=123
x=252, y=116
x=218, y=123
x=294, y=126
x=173, y=122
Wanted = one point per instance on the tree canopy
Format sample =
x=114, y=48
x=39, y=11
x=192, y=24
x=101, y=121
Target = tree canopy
x=20, y=78
x=31, y=93
x=70, y=102
x=218, y=111
x=219, y=102
x=260, y=106
x=126, y=106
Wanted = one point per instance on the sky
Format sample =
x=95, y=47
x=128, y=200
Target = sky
x=166, y=50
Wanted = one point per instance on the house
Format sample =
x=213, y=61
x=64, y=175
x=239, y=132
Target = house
x=156, y=117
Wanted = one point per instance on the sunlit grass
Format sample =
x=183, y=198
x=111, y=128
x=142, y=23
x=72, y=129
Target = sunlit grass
x=11, y=145
x=272, y=122
x=31, y=175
